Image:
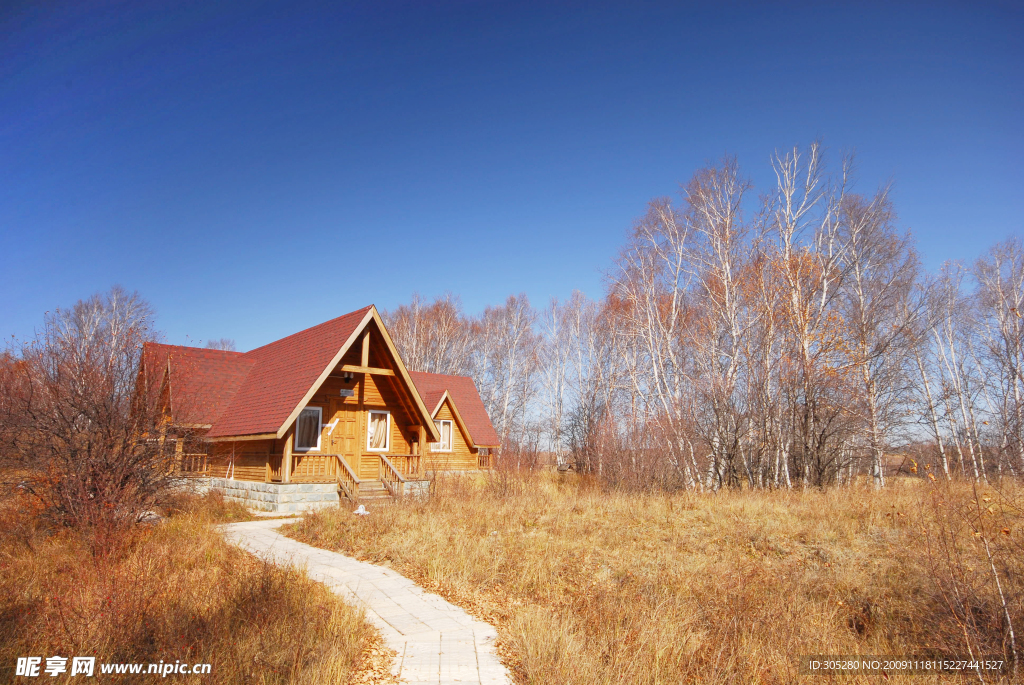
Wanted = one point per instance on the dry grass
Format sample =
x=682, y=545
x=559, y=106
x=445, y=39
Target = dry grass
x=173, y=591
x=588, y=586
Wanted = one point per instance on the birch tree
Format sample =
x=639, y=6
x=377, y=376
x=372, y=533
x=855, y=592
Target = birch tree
x=652, y=278
x=505, y=363
x=431, y=337
x=1000, y=276
x=881, y=268
x=719, y=259
x=804, y=212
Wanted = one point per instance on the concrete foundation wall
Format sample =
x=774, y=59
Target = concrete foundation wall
x=287, y=497
x=419, y=489
x=277, y=497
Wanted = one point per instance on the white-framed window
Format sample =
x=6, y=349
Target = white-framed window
x=307, y=430
x=378, y=431
x=445, y=429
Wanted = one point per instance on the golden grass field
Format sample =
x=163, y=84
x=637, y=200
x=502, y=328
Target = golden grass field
x=593, y=586
x=173, y=591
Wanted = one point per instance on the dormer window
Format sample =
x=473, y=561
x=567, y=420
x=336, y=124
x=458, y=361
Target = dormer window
x=445, y=429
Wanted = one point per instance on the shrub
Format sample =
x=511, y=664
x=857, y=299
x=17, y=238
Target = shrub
x=171, y=591
x=73, y=424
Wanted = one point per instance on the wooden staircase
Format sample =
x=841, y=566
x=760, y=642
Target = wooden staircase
x=372, y=490
x=397, y=476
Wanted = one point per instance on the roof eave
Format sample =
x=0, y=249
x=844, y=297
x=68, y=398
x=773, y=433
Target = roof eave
x=239, y=438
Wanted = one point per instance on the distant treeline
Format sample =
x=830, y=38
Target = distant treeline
x=786, y=342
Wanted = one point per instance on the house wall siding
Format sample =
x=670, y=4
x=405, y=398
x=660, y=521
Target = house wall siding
x=250, y=458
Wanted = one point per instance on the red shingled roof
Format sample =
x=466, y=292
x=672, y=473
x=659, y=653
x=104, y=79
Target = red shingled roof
x=255, y=392
x=463, y=394
x=202, y=381
x=246, y=393
x=282, y=373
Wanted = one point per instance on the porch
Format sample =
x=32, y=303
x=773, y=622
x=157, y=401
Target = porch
x=396, y=474
x=315, y=479
x=307, y=468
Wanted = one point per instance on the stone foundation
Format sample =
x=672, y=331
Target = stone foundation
x=419, y=489
x=276, y=497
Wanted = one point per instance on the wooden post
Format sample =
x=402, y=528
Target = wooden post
x=414, y=442
x=286, y=458
x=423, y=448
x=366, y=349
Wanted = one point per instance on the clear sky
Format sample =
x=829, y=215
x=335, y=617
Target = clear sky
x=254, y=168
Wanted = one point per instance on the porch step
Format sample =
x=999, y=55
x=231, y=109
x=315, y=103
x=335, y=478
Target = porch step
x=370, y=490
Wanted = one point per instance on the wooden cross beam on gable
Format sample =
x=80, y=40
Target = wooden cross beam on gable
x=364, y=365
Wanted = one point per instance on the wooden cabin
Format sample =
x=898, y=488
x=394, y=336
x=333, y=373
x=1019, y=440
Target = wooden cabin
x=467, y=437
x=332, y=406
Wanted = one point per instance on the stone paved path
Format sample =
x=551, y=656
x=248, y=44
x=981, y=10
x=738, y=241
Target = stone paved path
x=437, y=642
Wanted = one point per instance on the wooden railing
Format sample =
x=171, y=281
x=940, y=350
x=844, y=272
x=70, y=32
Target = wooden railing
x=314, y=468
x=193, y=464
x=348, y=481
x=485, y=461
x=407, y=464
x=393, y=471
x=391, y=478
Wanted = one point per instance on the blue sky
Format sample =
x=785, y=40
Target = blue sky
x=256, y=168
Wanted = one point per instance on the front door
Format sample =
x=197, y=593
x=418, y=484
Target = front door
x=343, y=438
